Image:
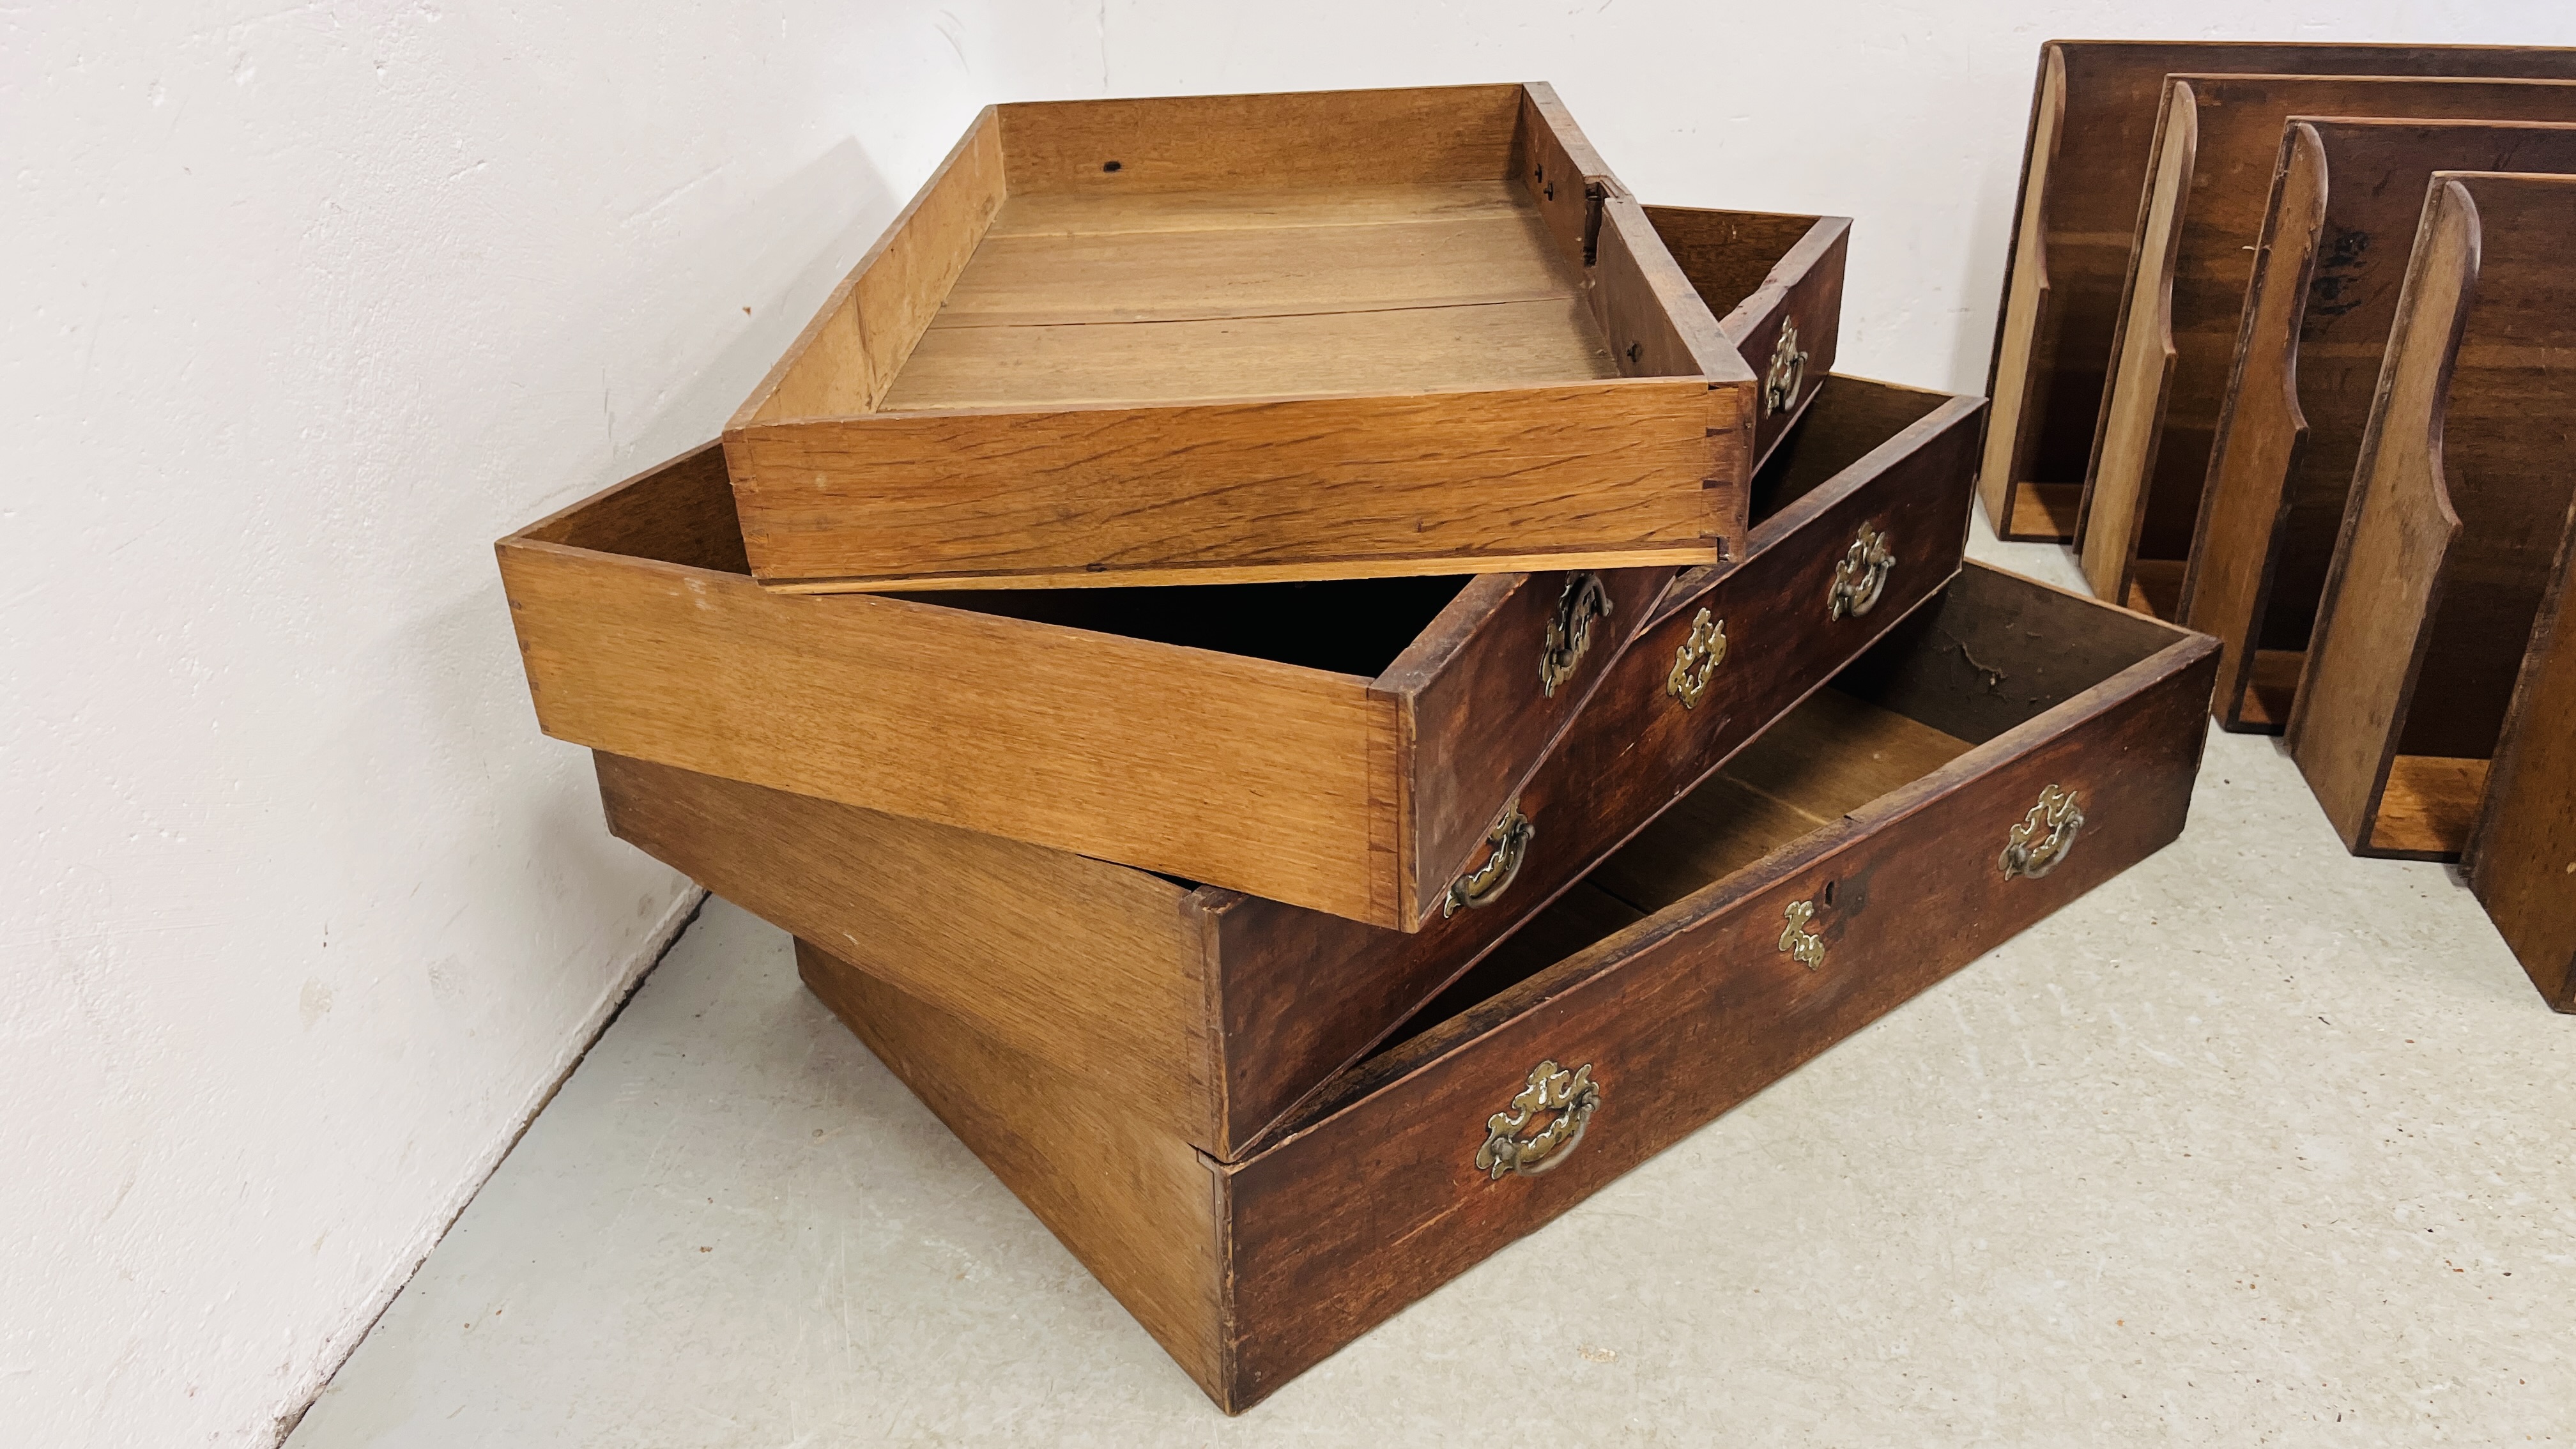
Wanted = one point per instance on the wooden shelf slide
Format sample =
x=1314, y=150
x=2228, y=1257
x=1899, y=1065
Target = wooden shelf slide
x=2182, y=309
x=2085, y=165
x=2434, y=718
x=2346, y=196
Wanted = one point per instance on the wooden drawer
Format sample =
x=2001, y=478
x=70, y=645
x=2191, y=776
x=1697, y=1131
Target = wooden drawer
x=2085, y=162
x=1343, y=746
x=1776, y=284
x=1229, y=339
x=1223, y=1009
x=1888, y=832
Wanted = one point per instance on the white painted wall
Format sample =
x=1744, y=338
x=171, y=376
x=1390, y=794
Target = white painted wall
x=306, y=304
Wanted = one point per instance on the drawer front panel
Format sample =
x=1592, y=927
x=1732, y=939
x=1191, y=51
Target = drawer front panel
x=1787, y=330
x=1798, y=297
x=1633, y=751
x=1491, y=687
x=1690, y=1012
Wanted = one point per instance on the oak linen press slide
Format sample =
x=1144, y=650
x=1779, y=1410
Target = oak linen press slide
x=2094, y=115
x=1229, y=339
x=2180, y=311
x=2327, y=274
x=2437, y=714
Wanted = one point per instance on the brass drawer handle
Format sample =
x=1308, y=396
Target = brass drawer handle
x=1861, y=576
x=1804, y=946
x=1695, y=662
x=1484, y=885
x=1788, y=370
x=1572, y=1096
x=1585, y=602
x=2045, y=835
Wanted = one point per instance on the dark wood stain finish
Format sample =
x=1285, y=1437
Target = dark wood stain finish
x=1760, y=272
x=2239, y=121
x=2461, y=511
x=1894, y=457
x=2088, y=141
x=1374, y=1198
x=2346, y=197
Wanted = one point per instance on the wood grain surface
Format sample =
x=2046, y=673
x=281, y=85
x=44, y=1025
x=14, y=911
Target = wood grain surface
x=1246, y=339
x=1475, y=717
x=1290, y=994
x=2327, y=274
x=1253, y=1272
x=1760, y=273
x=1593, y=474
x=1377, y=1199
x=1225, y=143
x=1135, y=1203
x=1089, y=967
x=1894, y=457
x=2522, y=850
x=1215, y=767
x=2142, y=363
x=2145, y=498
x=848, y=356
x=2365, y=662
x=2085, y=165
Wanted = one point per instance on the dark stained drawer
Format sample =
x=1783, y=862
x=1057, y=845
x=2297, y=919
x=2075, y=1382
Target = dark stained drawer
x=1341, y=745
x=1221, y=1010
x=1999, y=754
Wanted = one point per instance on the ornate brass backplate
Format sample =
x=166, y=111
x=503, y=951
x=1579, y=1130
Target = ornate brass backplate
x=1585, y=602
x=1572, y=1097
x=2044, y=836
x=1788, y=370
x=1509, y=840
x=1862, y=575
x=1695, y=662
x=1804, y=946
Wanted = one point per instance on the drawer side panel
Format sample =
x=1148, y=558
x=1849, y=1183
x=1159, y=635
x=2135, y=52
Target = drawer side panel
x=1235, y=771
x=1086, y=966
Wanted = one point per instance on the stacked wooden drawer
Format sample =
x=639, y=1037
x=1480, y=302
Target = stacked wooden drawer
x=2327, y=417
x=1290, y=946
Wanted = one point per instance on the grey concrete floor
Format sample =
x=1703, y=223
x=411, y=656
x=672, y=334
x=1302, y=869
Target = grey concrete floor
x=2258, y=1144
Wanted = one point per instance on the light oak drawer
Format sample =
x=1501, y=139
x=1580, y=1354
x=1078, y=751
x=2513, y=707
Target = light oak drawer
x=1231, y=339
x=1343, y=746
x=2002, y=752
x=1222, y=1010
